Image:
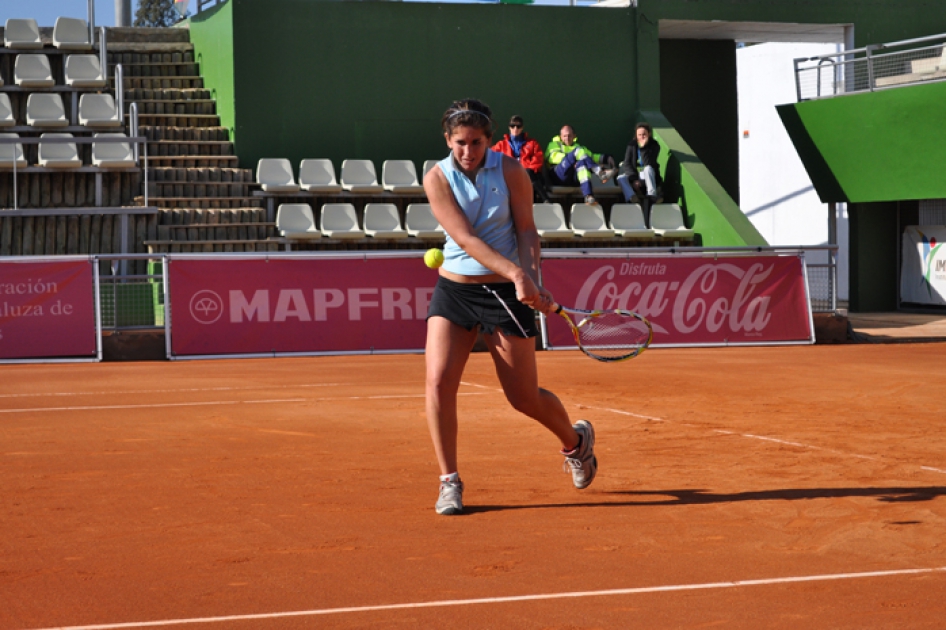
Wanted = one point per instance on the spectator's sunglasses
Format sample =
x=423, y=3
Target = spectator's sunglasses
x=515, y=125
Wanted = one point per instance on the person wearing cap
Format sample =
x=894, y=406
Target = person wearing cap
x=571, y=164
x=518, y=145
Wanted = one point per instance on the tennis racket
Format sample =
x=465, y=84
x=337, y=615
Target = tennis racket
x=608, y=335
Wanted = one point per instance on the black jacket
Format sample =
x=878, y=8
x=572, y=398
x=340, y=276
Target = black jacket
x=649, y=153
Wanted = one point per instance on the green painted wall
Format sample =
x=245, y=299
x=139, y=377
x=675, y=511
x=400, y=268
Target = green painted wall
x=372, y=79
x=212, y=35
x=698, y=96
x=876, y=146
x=687, y=181
x=873, y=237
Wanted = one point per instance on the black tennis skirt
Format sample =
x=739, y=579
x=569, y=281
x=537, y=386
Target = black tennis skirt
x=471, y=305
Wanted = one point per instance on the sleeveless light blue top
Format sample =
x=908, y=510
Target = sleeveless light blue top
x=486, y=205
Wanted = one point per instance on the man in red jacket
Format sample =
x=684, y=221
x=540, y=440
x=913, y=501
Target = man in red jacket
x=517, y=144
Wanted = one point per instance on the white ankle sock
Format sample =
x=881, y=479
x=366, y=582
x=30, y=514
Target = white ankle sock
x=451, y=478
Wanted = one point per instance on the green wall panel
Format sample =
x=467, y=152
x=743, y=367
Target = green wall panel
x=698, y=97
x=212, y=35
x=874, y=266
x=878, y=146
x=371, y=80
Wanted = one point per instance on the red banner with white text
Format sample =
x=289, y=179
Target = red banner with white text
x=298, y=305
x=689, y=300
x=47, y=309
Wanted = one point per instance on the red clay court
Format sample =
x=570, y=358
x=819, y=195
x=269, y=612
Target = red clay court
x=798, y=487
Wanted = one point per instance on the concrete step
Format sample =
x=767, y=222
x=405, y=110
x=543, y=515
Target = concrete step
x=156, y=83
x=201, y=175
x=175, y=94
x=202, y=202
x=181, y=134
x=194, y=161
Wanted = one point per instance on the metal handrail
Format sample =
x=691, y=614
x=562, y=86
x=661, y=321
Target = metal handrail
x=103, y=56
x=91, y=11
x=120, y=92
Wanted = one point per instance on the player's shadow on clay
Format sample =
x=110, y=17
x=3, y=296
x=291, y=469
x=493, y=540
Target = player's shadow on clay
x=704, y=497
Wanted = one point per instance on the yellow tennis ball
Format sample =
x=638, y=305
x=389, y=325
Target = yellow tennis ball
x=433, y=258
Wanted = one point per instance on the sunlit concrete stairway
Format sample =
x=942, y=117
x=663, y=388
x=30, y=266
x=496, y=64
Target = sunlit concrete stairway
x=194, y=179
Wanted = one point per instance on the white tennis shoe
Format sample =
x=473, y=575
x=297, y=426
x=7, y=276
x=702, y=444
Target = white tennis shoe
x=581, y=462
x=450, y=501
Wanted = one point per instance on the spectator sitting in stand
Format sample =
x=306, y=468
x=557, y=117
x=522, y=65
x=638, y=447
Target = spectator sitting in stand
x=571, y=164
x=640, y=173
x=518, y=145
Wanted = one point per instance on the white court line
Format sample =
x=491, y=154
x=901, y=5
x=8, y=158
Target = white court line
x=502, y=600
x=749, y=436
x=214, y=402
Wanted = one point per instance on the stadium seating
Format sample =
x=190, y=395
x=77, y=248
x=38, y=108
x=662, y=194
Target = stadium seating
x=112, y=154
x=421, y=223
x=45, y=109
x=557, y=189
x=98, y=110
x=588, y=221
x=359, y=176
x=58, y=155
x=429, y=164
x=667, y=221
x=627, y=220
x=33, y=71
x=382, y=221
x=84, y=71
x=338, y=220
x=296, y=221
x=6, y=112
x=550, y=221
x=10, y=153
x=22, y=33
x=400, y=177
x=71, y=34
x=275, y=175
x=318, y=176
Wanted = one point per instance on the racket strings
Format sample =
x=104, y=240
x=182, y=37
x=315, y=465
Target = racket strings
x=613, y=334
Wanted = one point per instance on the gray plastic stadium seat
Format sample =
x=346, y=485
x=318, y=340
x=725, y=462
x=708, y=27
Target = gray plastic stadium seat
x=588, y=221
x=296, y=221
x=421, y=222
x=6, y=111
x=382, y=221
x=22, y=33
x=550, y=221
x=71, y=34
x=10, y=153
x=112, y=154
x=58, y=155
x=627, y=220
x=667, y=221
x=429, y=164
x=275, y=175
x=44, y=109
x=318, y=176
x=601, y=189
x=338, y=220
x=33, y=71
x=400, y=177
x=98, y=110
x=359, y=176
x=84, y=71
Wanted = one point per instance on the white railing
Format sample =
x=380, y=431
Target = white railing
x=871, y=68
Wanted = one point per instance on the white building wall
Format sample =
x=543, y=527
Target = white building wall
x=774, y=189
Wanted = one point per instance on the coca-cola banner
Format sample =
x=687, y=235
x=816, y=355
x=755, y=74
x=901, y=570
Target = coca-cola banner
x=47, y=309
x=298, y=305
x=697, y=300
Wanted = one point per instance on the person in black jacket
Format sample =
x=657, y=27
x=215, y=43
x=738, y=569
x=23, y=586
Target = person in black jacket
x=640, y=174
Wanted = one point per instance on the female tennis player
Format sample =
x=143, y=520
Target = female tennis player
x=488, y=281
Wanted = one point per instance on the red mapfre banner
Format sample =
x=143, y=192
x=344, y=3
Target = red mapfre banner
x=689, y=300
x=47, y=309
x=298, y=305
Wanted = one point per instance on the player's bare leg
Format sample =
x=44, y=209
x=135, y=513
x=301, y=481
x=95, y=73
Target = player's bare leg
x=514, y=358
x=448, y=349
